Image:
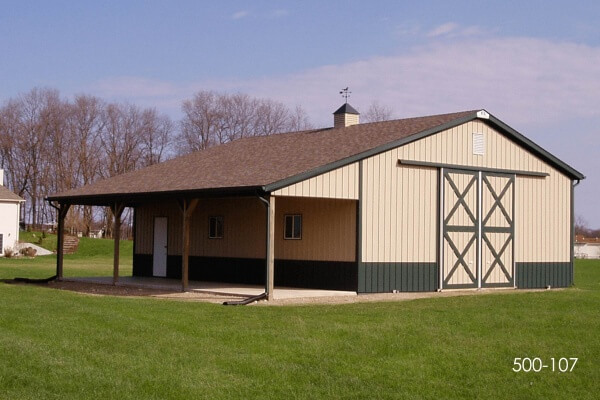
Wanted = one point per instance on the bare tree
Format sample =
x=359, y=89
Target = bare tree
x=198, y=124
x=85, y=124
x=156, y=137
x=299, y=120
x=581, y=226
x=212, y=118
x=49, y=144
x=377, y=112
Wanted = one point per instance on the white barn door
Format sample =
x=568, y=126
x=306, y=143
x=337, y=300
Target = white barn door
x=159, y=259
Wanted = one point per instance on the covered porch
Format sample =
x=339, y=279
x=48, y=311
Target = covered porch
x=249, y=256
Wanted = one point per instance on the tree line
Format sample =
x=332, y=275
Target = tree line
x=51, y=144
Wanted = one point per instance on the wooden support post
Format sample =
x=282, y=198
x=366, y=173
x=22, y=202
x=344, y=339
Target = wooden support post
x=270, y=248
x=62, y=210
x=117, y=210
x=188, y=208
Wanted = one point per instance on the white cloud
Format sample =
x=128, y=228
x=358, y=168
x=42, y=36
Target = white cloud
x=240, y=14
x=443, y=29
x=453, y=30
x=520, y=79
x=525, y=79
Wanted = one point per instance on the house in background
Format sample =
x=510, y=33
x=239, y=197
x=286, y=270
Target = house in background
x=586, y=247
x=10, y=208
x=431, y=203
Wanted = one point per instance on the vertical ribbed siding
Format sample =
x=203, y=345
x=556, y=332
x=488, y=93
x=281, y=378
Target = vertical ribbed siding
x=341, y=183
x=531, y=275
x=399, y=208
x=328, y=229
x=376, y=277
x=398, y=211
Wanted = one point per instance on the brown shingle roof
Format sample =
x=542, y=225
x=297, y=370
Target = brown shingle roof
x=260, y=161
x=583, y=239
x=7, y=194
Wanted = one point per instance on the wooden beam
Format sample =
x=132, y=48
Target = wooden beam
x=270, y=248
x=117, y=210
x=60, y=251
x=188, y=207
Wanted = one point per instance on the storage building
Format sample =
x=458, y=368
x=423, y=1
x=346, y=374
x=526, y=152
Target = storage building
x=457, y=200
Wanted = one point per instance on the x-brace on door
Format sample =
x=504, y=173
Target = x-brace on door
x=477, y=229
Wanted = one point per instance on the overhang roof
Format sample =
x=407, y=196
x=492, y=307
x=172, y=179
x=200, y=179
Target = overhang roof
x=267, y=163
x=7, y=195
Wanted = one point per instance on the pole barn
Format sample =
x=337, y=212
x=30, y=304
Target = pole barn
x=431, y=203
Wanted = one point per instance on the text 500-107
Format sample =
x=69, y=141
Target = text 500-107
x=536, y=364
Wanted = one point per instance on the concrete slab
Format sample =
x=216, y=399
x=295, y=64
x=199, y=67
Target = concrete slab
x=218, y=288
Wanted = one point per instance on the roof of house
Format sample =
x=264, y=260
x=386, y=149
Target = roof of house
x=7, y=195
x=586, y=240
x=268, y=163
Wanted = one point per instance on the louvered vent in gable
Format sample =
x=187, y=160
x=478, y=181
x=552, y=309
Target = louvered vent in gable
x=478, y=144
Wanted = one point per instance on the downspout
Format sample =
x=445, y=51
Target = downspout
x=573, y=230
x=265, y=294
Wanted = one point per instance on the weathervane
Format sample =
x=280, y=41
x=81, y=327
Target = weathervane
x=345, y=94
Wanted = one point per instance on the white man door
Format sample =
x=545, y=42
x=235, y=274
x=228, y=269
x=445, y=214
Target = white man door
x=477, y=229
x=159, y=259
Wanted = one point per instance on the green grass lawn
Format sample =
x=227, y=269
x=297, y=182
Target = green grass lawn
x=58, y=344
x=93, y=258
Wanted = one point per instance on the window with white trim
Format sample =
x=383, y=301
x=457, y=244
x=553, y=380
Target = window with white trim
x=215, y=227
x=292, y=227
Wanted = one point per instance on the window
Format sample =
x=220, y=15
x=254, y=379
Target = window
x=215, y=227
x=293, y=227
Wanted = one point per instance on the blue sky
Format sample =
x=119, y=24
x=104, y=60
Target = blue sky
x=533, y=64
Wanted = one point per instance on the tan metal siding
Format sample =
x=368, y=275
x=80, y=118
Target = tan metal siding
x=244, y=221
x=328, y=229
x=341, y=183
x=399, y=205
x=244, y=228
x=398, y=225
x=542, y=226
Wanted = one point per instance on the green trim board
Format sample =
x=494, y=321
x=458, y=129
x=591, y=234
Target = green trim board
x=385, y=277
x=531, y=275
x=333, y=275
x=472, y=168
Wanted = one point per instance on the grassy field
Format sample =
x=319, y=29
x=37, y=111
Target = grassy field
x=57, y=344
x=93, y=258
